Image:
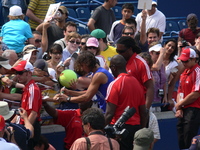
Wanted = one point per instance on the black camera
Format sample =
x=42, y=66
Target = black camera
x=117, y=130
x=17, y=112
x=184, y=43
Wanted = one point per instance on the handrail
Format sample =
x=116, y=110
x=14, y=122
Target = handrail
x=153, y=105
x=176, y=18
x=77, y=20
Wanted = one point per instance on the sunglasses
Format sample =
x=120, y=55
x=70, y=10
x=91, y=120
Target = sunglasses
x=82, y=43
x=129, y=33
x=120, y=51
x=38, y=41
x=157, y=53
x=20, y=72
x=92, y=47
x=73, y=42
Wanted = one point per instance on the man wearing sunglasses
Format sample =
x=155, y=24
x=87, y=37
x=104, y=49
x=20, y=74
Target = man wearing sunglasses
x=31, y=97
x=136, y=66
x=188, y=99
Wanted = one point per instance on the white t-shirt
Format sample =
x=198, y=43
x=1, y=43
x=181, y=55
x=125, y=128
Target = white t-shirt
x=169, y=67
x=157, y=20
x=153, y=125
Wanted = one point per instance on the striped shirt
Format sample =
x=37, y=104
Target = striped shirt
x=39, y=8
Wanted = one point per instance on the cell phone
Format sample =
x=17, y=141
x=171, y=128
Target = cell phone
x=74, y=55
x=60, y=63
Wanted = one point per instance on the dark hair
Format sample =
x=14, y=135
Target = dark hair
x=198, y=35
x=43, y=141
x=70, y=23
x=86, y=58
x=56, y=47
x=147, y=57
x=129, y=42
x=171, y=57
x=131, y=21
x=128, y=28
x=95, y=117
x=153, y=30
x=36, y=32
x=128, y=6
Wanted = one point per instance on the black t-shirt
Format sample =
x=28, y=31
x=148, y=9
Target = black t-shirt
x=54, y=33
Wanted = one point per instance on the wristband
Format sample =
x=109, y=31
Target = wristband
x=68, y=98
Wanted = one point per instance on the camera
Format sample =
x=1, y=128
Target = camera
x=160, y=92
x=184, y=43
x=17, y=112
x=118, y=130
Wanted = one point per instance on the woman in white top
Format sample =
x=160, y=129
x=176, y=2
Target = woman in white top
x=172, y=67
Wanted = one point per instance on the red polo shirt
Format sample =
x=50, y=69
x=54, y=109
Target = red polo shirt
x=70, y=119
x=190, y=82
x=31, y=99
x=125, y=91
x=137, y=67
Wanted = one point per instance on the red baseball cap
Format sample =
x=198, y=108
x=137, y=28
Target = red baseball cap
x=2, y=123
x=187, y=53
x=23, y=65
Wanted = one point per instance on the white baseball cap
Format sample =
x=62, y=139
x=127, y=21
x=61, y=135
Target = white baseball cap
x=23, y=65
x=155, y=48
x=15, y=11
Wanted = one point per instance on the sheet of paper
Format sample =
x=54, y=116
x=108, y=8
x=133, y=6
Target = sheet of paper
x=53, y=8
x=144, y=4
x=27, y=56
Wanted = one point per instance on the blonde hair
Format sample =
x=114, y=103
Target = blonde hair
x=73, y=35
x=153, y=43
x=16, y=17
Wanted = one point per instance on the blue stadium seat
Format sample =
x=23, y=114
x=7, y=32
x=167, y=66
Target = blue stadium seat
x=182, y=24
x=81, y=30
x=83, y=13
x=171, y=26
x=118, y=12
x=72, y=12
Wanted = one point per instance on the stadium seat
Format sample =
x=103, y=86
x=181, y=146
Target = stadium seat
x=182, y=24
x=118, y=12
x=83, y=13
x=72, y=13
x=171, y=26
x=81, y=30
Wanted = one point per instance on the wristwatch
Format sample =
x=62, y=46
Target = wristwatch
x=68, y=98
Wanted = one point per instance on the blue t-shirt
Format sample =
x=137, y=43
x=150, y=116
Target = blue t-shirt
x=101, y=94
x=15, y=33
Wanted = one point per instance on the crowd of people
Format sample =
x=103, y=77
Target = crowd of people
x=120, y=63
